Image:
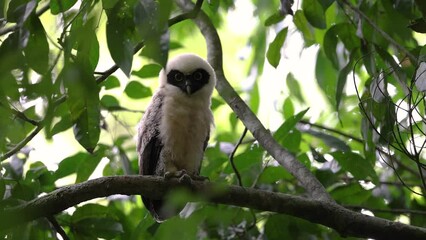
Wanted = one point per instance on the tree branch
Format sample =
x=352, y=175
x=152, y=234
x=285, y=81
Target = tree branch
x=344, y=221
x=22, y=144
x=285, y=158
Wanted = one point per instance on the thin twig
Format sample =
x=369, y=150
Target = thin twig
x=58, y=227
x=22, y=144
x=231, y=157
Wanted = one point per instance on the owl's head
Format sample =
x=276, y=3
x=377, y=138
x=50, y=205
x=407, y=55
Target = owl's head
x=189, y=74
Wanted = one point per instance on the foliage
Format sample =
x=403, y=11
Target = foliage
x=365, y=146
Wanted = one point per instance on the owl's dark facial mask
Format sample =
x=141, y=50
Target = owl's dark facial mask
x=188, y=83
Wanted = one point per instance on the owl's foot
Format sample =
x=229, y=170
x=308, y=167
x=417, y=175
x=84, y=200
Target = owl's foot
x=184, y=177
x=177, y=174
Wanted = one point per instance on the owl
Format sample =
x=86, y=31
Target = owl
x=174, y=131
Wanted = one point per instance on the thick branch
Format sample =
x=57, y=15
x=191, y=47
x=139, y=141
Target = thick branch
x=346, y=222
x=285, y=158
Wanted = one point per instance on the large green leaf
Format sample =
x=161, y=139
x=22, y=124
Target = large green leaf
x=359, y=167
x=83, y=103
x=94, y=228
x=303, y=26
x=86, y=167
x=110, y=83
x=274, y=50
x=58, y=6
x=90, y=210
x=20, y=10
x=314, y=13
x=351, y=193
x=37, y=49
x=274, y=18
x=70, y=165
x=148, y=71
x=136, y=90
x=151, y=20
x=330, y=140
x=288, y=125
x=341, y=80
x=119, y=31
x=294, y=87
x=326, y=76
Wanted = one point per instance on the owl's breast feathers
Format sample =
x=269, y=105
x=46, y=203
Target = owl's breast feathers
x=184, y=129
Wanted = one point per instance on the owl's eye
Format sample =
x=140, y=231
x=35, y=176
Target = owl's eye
x=178, y=77
x=197, y=76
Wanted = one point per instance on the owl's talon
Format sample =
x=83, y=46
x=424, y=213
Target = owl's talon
x=177, y=174
x=185, y=178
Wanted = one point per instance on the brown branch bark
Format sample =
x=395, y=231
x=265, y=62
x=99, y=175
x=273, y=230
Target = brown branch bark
x=344, y=221
x=285, y=158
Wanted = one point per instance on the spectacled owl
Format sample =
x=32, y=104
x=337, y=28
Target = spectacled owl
x=174, y=131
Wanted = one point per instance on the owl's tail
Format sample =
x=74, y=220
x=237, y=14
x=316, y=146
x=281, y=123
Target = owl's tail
x=159, y=211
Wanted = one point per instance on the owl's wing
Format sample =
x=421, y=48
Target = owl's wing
x=149, y=145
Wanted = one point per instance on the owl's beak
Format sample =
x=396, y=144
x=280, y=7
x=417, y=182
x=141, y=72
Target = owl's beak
x=188, y=87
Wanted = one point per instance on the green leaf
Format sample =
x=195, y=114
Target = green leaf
x=359, y=167
x=70, y=165
x=2, y=188
x=326, y=76
x=108, y=4
x=111, y=82
x=326, y=3
x=292, y=141
x=254, y=98
x=279, y=226
x=90, y=210
x=272, y=174
x=330, y=44
x=274, y=50
x=84, y=105
x=274, y=18
x=19, y=10
x=288, y=108
x=109, y=101
x=88, y=47
x=58, y=6
x=86, y=168
x=317, y=156
x=289, y=124
x=301, y=23
x=216, y=102
x=330, y=140
x=294, y=88
x=314, y=13
x=37, y=49
x=148, y=71
x=367, y=51
x=341, y=80
x=119, y=32
x=36, y=170
x=94, y=228
x=351, y=193
x=136, y=90
x=151, y=19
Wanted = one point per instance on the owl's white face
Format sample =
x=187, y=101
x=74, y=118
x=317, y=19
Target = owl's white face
x=188, y=74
